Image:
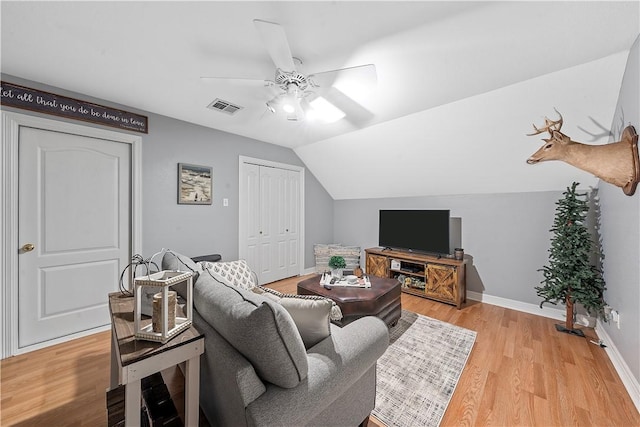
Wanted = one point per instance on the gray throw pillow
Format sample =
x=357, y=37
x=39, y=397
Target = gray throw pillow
x=261, y=329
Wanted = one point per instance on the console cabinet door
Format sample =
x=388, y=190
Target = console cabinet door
x=377, y=265
x=442, y=282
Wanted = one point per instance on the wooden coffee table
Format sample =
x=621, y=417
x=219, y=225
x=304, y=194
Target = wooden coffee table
x=382, y=299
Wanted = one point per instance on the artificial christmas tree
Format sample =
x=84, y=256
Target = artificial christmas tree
x=570, y=277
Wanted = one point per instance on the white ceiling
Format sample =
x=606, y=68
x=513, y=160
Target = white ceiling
x=459, y=83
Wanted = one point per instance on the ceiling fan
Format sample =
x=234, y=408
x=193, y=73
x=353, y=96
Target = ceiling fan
x=302, y=96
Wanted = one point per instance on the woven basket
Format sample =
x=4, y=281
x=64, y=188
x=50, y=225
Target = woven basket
x=323, y=254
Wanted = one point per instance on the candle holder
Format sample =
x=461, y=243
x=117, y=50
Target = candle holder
x=162, y=280
x=157, y=316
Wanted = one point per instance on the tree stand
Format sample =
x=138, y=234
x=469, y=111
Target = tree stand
x=568, y=328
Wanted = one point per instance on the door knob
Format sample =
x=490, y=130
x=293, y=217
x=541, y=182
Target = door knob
x=28, y=247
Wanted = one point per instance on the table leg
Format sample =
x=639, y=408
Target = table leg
x=192, y=391
x=132, y=404
x=115, y=366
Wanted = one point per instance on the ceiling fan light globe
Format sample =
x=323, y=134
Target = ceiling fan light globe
x=288, y=108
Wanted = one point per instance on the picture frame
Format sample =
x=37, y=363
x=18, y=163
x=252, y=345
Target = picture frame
x=195, y=184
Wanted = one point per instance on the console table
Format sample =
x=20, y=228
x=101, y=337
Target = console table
x=132, y=360
x=438, y=278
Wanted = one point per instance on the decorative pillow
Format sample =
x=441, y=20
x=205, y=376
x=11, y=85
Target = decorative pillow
x=262, y=330
x=236, y=273
x=311, y=313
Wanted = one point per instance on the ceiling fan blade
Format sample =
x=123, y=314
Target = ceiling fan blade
x=355, y=112
x=363, y=74
x=275, y=40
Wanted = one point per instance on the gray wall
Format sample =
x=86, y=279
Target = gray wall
x=505, y=236
x=197, y=229
x=202, y=229
x=620, y=229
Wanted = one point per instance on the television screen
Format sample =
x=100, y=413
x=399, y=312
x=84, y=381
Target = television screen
x=415, y=230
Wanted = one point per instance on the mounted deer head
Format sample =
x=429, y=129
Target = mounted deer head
x=616, y=163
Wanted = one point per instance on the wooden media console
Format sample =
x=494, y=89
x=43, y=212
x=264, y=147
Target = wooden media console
x=428, y=276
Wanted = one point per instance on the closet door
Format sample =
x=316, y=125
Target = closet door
x=273, y=224
x=270, y=220
x=250, y=233
x=292, y=219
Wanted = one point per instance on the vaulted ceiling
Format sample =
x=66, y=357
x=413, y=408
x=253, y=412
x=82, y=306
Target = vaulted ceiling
x=458, y=83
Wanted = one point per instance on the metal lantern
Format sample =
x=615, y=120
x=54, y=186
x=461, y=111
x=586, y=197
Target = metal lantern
x=166, y=327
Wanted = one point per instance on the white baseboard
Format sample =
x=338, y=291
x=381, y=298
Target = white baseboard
x=630, y=382
x=309, y=271
x=621, y=367
x=525, y=307
x=61, y=340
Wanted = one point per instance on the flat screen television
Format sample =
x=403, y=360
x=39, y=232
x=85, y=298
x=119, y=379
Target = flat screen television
x=425, y=231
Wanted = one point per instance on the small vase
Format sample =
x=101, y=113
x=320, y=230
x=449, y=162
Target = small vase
x=336, y=272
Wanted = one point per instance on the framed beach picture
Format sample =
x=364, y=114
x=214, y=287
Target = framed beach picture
x=195, y=184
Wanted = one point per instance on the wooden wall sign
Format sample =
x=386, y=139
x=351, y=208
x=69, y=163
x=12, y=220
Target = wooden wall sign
x=13, y=95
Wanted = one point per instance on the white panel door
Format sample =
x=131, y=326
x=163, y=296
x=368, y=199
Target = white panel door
x=279, y=226
x=272, y=224
x=270, y=219
x=74, y=208
x=263, y=266
x=250, y=217
x=292, y=205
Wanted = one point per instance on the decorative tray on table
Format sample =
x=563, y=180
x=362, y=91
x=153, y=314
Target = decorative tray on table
x=348, y=281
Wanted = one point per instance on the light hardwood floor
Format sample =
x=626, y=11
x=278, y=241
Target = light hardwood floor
x=520, y=372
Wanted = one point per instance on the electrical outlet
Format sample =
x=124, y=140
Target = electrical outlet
x=225, y=202
x=615, y=316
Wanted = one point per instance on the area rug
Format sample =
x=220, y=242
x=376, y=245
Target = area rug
x=418, y=373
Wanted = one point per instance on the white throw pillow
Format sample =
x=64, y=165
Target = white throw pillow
x=236, y=273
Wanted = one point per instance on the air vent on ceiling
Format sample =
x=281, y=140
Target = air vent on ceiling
x=224, y=106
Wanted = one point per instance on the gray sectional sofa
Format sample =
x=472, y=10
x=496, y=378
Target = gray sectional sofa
x=256, y=370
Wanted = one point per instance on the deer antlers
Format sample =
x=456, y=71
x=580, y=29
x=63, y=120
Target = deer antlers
x=549, y=125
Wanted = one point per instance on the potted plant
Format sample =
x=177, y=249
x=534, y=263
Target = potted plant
x=337, y=263
x=570, y=277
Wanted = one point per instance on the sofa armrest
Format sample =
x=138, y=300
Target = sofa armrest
x=335, y=364
x=208, y=258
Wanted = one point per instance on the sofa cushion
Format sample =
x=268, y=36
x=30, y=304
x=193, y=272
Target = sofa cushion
x=261, y=329
x=311, y=316
x=236, y=273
